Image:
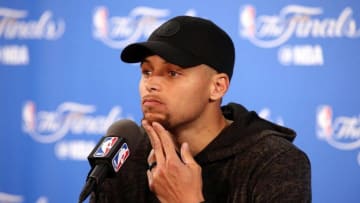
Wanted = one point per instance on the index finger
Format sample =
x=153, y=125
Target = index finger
x=166, y=140
x=155, y=142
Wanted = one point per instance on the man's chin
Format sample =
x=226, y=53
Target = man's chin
x=157, y=118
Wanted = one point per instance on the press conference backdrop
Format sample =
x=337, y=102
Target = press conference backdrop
x=62, y=83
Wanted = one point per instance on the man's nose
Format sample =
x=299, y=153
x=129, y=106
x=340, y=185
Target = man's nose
x=153, y=84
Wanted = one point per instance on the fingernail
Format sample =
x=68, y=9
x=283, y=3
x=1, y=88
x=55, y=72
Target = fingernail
x=145, y=123
x=185, y=145
x=157, y=125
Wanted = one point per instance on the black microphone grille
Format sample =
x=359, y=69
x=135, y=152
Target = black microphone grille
x=126, y=129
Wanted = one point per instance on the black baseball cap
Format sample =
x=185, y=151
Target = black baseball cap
x=186, y=41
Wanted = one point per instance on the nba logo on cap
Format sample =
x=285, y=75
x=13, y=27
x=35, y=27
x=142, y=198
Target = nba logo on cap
x=120, y=157
x=105, y=146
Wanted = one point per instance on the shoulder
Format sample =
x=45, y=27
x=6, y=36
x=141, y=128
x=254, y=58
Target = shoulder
x=272, y=153
x=273, y=147
x=284, y=167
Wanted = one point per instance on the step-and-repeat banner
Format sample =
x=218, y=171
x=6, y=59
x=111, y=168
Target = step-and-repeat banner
x=62, y=83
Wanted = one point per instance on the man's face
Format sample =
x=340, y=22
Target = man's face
x=171, y=95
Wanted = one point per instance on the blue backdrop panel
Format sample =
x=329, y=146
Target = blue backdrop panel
x=62, y=83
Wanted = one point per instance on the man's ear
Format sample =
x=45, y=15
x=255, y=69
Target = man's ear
x=219, y=86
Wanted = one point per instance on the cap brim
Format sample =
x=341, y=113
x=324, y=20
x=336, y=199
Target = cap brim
x=139, y=51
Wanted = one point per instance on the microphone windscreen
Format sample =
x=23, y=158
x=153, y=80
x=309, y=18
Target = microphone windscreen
x=126, y=129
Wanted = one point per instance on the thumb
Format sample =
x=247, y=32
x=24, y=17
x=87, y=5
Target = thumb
x=186, y=155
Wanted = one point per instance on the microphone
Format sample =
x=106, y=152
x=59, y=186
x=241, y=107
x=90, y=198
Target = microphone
x=110, y=154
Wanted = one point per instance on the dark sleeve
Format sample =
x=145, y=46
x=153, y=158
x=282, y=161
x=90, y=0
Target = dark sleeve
x=284, y=178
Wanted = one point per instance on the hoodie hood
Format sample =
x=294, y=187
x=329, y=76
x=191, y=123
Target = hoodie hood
x=246, y=129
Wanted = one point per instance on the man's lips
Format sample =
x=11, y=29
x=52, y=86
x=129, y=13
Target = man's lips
x=151, y=101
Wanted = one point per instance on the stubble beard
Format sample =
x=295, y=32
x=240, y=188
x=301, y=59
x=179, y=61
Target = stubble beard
x=152, y=116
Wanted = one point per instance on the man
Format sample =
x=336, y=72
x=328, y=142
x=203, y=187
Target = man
x=196, y=150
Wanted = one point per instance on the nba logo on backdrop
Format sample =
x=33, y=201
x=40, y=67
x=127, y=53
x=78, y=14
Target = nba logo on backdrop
x=247, y=21
x=324, y=121
x=29, y=117
x=100, y=22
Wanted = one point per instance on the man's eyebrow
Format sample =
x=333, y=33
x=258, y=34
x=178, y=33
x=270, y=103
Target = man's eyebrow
x=147, y=61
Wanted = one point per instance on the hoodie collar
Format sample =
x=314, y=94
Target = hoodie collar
x=247, y=129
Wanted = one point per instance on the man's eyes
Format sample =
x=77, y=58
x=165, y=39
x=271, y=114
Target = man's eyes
x=170, y=73
x=173, y=73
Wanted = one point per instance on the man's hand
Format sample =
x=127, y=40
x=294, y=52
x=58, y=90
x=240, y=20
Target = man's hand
x=174, y=179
